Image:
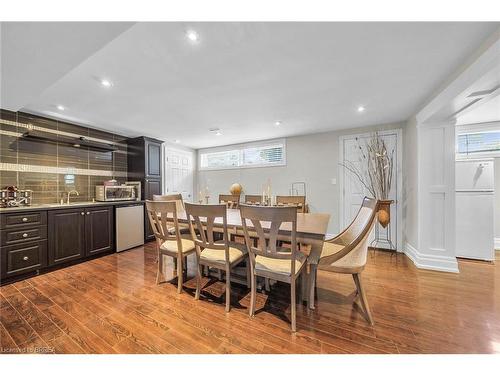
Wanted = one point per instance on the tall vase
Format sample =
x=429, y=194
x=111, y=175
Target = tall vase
x=384, y=212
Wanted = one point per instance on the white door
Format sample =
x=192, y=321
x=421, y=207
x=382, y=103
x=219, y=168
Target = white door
x=179, y=173
x=352, y=191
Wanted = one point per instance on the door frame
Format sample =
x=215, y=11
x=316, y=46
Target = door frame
x=399, y=179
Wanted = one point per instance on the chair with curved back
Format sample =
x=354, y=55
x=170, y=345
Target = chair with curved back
x=223, y=254
x=253, y=199
x=161, y=215
x=298, y=201
x=231, y=201
x=268, y=260
x=347, y=252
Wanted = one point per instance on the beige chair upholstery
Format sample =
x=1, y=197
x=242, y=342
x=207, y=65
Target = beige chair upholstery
x=162, y=217
x=223, y=254
x=267, y=259
x=347, y=252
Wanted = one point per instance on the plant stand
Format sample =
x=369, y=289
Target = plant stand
x=380, y=238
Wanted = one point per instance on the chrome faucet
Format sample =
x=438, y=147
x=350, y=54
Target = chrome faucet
x=71, y=192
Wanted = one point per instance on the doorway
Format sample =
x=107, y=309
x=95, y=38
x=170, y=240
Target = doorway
x=179, y=172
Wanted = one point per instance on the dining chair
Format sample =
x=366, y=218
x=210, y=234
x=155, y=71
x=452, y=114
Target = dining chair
x=168, y=243
x=268, y=260
x=223, y=255
x=180, y=208
x=298, y=201
x=346, y=253
x=231, y=201
x=253, y=199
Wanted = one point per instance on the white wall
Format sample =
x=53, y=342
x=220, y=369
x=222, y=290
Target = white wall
x=497, y=203
x=410, y=184
x=310, y=158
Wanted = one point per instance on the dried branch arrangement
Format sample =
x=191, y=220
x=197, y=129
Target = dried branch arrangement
x=376, y=167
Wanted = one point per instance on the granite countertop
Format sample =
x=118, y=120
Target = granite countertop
x=56, y=206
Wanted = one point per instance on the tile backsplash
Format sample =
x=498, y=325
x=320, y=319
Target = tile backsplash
x=51, y=169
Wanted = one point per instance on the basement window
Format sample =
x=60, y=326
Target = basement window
x=479, y=144
x=248, y=155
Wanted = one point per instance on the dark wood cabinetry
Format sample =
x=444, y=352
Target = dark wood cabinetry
x=76, y=233
x=145, y=164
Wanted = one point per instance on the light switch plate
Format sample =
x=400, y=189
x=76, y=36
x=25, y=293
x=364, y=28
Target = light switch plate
x=334, y=181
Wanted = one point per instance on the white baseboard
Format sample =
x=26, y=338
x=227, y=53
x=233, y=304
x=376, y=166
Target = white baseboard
x=497, y=243
x=431, y=262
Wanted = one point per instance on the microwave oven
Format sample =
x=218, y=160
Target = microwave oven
x=115, y=193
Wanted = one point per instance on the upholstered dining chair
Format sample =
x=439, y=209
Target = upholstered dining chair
x=231, y=201
x=161, y=214
x=298, y=201
x=268, y=260
x=179, y=202
x=253, y=199
x=346, y=253
x=223, y=254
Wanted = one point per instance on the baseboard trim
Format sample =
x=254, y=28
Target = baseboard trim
x=431, y=262
x=497, y=243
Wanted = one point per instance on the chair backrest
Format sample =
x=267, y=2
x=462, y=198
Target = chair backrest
x=269, y=219
x=161, y=215
x=171, y=197
x=253, y=199
x=231, y=201
x=355, y=236
x=298, y=201
x=201, y=218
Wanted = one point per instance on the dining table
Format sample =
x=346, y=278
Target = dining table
x=311, y=230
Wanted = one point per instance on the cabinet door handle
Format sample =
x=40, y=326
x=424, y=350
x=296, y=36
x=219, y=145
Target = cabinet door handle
x=25, y=258
x=82, y=213
x=25, y=235
x=25, y=219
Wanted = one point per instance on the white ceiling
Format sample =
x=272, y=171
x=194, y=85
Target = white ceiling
x=242, y=77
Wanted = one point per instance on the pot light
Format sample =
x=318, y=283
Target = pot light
x=177, y=141
x=277, y=123
x=361, y=108
x=192, y=36
x=106, y=83
x=60, y=107
x=218, y=133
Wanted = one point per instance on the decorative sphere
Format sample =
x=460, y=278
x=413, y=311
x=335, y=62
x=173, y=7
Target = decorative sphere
x=236, y=189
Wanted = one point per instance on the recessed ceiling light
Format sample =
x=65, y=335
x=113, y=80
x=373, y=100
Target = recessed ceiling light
x=277, y=123
x=218, y=133
x=106, y=83
x=61, y=107
x=361, y=108
x=192, y=36
x=177, y=141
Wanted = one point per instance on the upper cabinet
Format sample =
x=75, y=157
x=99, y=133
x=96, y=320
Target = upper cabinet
x=153, y=159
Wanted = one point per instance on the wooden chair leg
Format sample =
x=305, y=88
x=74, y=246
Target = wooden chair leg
x=249, y=274
x=175, y=266
x=228, y=289
x=160, y=268
x=312, y=285
x=198, y=280
x=185, y=265
x=363, y=299
x=219, y=275
x=179, y=275
x=253, y=295
x=293, y=305
x=267, y=286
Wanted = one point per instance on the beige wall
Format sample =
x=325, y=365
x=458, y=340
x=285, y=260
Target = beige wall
x=310, y=158
x=497, y=199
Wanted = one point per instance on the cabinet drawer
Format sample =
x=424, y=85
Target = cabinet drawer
x=20, y=235
x=18, y=259
x=23, y=219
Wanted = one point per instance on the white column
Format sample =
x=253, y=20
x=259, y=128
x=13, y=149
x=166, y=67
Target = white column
x=436, y=198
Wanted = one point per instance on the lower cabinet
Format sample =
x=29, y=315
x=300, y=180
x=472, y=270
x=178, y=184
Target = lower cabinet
x=76, y=233
x=151, y=187
x=24, y=258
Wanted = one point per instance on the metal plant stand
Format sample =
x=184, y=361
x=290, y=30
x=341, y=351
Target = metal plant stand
x=380, y=239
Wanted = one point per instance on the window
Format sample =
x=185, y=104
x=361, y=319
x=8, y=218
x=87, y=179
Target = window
x=480, y=143
x=244, y=156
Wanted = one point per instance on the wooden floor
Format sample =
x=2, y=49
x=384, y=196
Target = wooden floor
x=112, y=305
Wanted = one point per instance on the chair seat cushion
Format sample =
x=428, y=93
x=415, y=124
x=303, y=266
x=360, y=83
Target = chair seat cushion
x=281, y=266
x=236, y=252
x=171, y=245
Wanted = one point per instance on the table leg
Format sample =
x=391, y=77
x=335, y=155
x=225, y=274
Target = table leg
x=312, y=285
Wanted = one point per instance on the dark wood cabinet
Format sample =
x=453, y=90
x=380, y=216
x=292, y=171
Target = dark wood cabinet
x=99, y=230
x=66, y=235
x=76, y=233
x=145, y=164
x=25, y=258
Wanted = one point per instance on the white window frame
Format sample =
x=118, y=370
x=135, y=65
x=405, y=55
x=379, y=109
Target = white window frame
x=241, y=147
x=476, y=128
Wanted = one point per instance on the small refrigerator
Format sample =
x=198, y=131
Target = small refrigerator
x=129, y=226
x=474, y=205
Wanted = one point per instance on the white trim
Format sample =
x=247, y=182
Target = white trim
x=431, y=262
x=497, y=243
x=399, y=181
